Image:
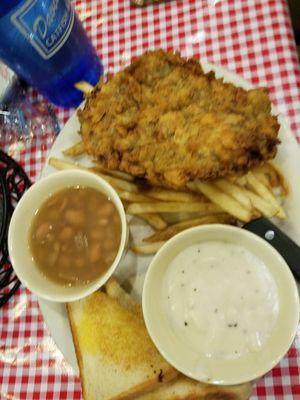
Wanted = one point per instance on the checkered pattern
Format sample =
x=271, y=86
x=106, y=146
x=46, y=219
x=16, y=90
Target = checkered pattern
x=251, y=37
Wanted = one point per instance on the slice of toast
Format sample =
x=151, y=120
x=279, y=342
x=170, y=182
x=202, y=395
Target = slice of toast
x=184, y=388
x=116, y=357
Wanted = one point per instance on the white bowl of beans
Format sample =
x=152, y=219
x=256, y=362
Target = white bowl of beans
x=67, y=235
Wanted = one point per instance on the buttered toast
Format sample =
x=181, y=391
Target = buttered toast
x=183, y=388
x=116, y=356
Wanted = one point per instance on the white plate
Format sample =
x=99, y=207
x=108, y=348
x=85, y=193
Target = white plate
x=133, y=267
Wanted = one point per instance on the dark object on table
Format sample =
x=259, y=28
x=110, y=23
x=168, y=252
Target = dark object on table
x=288, y=249
x=142, y=3
x=13, y=183
x=295, y=15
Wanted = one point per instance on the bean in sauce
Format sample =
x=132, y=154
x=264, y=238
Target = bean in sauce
x=75, y=235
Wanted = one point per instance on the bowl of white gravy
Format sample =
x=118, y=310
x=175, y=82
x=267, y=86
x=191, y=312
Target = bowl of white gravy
x=220, y=304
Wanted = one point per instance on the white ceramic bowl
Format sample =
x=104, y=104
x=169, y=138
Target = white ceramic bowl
x=19, y=252
x=178, y=352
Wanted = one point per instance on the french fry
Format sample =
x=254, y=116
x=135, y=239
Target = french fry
x=76, y=150
x=118, y=174
x=171, y=195
x=84, y=87
x=154, y=220
x=119, y=183
x=234, y=191
x=172, y=230
x=262, y=177
x=271, y=175
x=132, y=197
x=149, y=248
x=175, y=218
x=60, y=164
x=259, y=188
x=270, y=172
x=222, y=200
x=267, y=209
x=237, y=179
x=281, y=179
x=115, y=182
x=172, y=207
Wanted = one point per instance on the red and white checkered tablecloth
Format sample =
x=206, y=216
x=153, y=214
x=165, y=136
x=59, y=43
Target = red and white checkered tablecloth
x=251, y=37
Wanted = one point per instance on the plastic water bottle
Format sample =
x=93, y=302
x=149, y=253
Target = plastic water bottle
x=44, y=42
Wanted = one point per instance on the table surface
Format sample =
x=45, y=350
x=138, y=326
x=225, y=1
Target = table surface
x=253, y=38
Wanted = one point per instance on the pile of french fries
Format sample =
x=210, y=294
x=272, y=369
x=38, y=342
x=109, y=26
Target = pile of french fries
x=232, y=200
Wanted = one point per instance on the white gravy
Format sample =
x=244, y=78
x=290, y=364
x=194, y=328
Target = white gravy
x=220, y=299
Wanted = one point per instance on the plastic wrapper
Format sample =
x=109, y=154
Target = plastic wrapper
x=24, y=124
x=26, y=119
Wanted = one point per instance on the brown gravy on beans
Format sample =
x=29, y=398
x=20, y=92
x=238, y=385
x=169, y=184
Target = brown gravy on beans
x=75, y=235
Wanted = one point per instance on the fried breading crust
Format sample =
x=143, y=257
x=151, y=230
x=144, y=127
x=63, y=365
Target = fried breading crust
x=163, y=119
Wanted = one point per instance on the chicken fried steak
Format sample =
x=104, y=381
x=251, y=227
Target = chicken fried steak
x=165, y=120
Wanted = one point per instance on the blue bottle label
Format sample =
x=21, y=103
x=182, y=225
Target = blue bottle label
x=48, y=30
